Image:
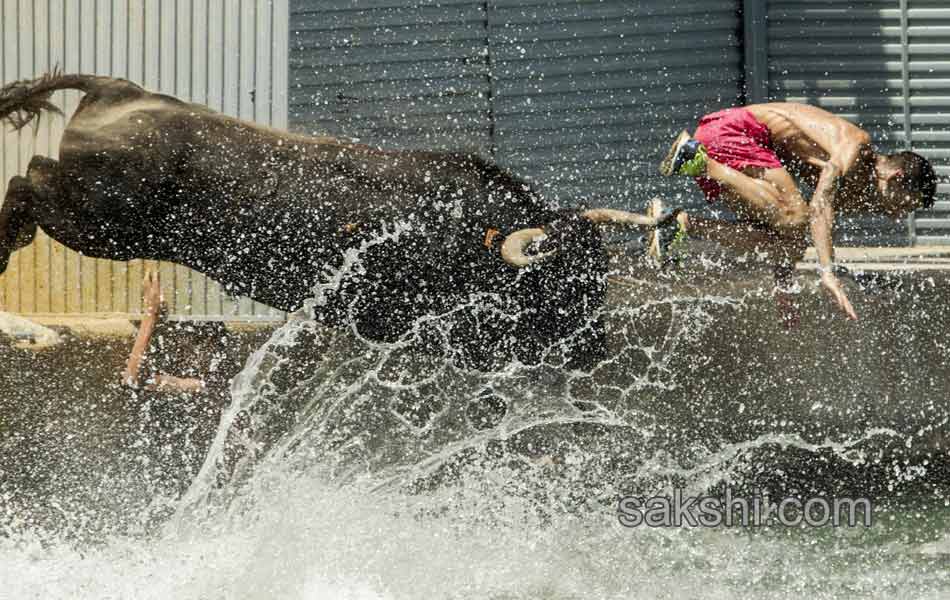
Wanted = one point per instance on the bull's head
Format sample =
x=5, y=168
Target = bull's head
x=561, y=298
x=547, y=240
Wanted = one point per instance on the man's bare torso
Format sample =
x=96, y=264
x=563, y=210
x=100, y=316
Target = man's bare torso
x=800, y=132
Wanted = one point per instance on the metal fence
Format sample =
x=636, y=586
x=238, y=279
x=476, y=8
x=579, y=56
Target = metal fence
x=228, y=54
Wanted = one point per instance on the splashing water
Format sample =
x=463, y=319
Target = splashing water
x=345, y=468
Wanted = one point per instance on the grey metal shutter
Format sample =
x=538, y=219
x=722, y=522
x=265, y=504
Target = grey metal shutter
x=928, y=38
x=847, y=57
x=393, y=73
x=589, y=95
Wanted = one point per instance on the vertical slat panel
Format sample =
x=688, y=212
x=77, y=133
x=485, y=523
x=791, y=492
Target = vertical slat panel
x=28, y=147
x=11, y=70
x=280, y=34
x=119, y=68
x=136, y=72
x=246, y=71
x=215, y=99
x=229, y=54
x=103, y=16
x=57, y=271
x=120, y=38
x=262, y=63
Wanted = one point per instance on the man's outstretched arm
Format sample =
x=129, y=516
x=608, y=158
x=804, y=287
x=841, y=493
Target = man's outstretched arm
x=153, y=307
x=821, y=224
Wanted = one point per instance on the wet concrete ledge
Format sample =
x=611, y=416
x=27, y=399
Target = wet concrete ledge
x=741, y=373
x=925, y=258
x=914, y=259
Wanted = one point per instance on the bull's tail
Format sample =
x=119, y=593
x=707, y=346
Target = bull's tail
x=23, y=101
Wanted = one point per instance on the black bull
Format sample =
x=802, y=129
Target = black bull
x=395, y=236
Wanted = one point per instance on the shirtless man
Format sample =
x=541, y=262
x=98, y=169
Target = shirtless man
x=747, y=156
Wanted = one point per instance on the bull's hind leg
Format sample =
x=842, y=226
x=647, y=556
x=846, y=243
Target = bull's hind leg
x=25, y=196
x=17, y=225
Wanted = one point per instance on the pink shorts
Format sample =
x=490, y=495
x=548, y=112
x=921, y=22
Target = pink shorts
x=734, y=138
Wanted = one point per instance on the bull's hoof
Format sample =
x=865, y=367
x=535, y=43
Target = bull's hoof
x=486, y=411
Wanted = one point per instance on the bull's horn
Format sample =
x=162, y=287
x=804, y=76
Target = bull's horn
x=512, y=250
x=612, y=216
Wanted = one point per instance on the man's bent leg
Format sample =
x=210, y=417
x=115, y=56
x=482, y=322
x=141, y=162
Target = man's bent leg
x=767, y=196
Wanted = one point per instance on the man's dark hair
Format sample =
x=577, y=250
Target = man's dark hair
x=917, y=175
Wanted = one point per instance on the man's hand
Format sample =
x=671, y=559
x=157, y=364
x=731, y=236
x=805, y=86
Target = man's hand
x=833, y=287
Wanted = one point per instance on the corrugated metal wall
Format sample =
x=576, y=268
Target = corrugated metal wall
x=228, y=54
x=583, y=98
x=927, y=24
x=589, y=95
x=883, y=64
x=396, y=73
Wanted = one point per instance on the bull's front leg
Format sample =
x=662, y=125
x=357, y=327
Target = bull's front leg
x=17, y=224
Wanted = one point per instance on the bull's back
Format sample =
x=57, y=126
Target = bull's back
x=264, y=211
x=114, y=119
